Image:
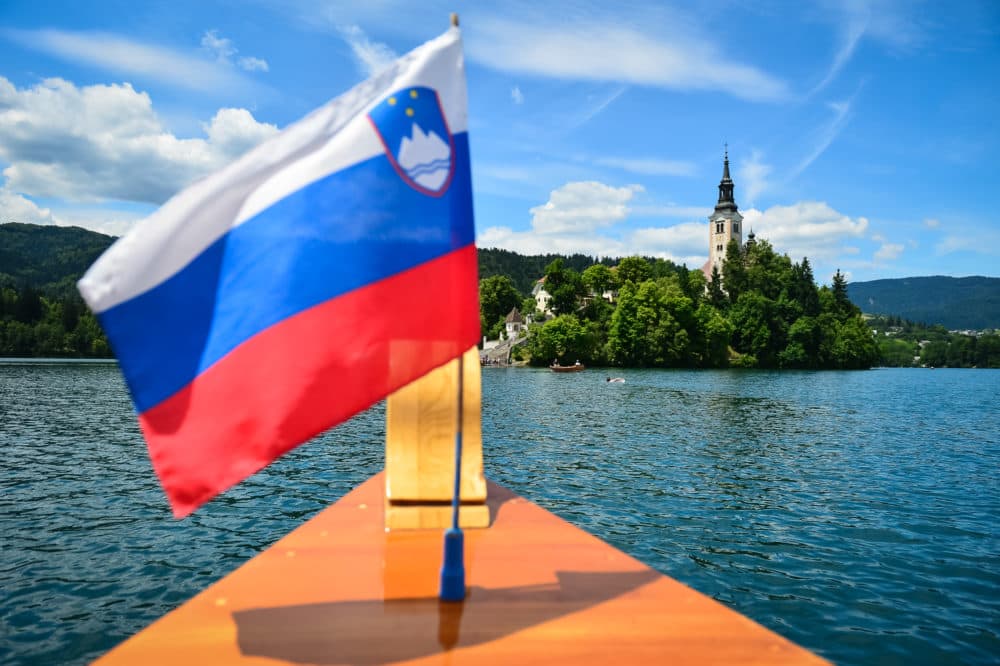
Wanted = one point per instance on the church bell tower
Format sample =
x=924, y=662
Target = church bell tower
x=725, y=223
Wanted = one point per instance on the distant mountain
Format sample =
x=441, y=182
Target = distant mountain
x=46, y=257
x=955, y=303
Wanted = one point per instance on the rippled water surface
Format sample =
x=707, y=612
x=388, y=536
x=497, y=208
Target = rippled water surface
x=855, y=513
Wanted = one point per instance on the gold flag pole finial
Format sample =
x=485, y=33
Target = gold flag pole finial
x=454, y=19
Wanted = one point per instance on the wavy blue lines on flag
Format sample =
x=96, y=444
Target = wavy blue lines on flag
x=321, y=271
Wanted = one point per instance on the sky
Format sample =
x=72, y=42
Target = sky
x=861, y=135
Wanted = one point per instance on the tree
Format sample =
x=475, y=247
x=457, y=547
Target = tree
x=716, y=332
x=804, y=341
x=565, y=286
x=28, y=308
x=716, y=296
x=694, y=286
x=497, y=297
x=599, y=279
x=896, y=353
x=803, y=288
x=648, y=326
x=734, y=273
x=854, y=347
x=597, y=310
x=563, y=339
x=72, y=307
x=634, y=269
x=842, y=305
x=988, y=351
x=759, y=330
x=934, y=354
x=529, y=308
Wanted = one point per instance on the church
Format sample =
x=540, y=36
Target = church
x=724, y=224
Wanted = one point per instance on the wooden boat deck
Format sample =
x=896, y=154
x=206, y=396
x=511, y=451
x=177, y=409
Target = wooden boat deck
x=342, y=590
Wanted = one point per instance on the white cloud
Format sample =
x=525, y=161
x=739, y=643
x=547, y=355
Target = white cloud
x=649, y=166
x=105, y=142
x=888, y=252
x=699, y=212
x=806, y=229
x=223, y=50
x=233, y=132
x=527, y=242
x=589, y=218
x=581, y=207
x=984, y=242
x=371, y=57
x=889, y=23
x=753, y=175
x=685, y=243
x=932, y=223
x=251, y=64
x=221, y=47
x=17, y=208
x=858, y=16
x=127, y=57
x=825, y=135
x=516, y=95
x=585, y=217
x=605, y=49
x=587, y=114
x=102, y=220
x=679, y=243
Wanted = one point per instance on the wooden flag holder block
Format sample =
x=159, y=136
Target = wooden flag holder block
x=421, y=420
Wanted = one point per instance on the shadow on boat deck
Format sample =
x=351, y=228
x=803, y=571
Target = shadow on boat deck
x=377, y=631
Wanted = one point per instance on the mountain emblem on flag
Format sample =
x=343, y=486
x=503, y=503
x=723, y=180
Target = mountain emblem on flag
x=416, y=138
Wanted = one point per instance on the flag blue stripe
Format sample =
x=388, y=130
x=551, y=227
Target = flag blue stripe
x=340, y=233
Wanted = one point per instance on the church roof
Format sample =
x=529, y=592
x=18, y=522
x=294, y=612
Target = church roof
x=514, y=317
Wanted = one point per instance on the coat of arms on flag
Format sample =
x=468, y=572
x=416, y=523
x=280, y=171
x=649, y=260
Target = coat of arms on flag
x=416, y=138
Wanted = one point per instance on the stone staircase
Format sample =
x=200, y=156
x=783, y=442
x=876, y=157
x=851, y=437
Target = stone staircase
x=500, y=355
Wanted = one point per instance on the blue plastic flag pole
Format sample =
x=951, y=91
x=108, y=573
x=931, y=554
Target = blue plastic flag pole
x=453, y=569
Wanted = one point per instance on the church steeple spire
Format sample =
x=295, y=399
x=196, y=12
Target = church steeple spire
x=726, y=200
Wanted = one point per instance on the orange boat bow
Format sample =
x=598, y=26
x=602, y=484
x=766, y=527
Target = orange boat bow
x=342, y=590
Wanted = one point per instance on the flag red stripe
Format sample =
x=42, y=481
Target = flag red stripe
x=296, y=379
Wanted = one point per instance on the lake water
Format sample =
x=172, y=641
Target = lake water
x=855, y=513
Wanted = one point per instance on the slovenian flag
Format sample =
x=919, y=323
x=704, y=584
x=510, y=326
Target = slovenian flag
x=323, y=270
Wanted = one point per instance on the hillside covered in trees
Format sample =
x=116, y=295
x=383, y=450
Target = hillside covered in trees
x=955, y=303
x=41, y=312
x=47, y=258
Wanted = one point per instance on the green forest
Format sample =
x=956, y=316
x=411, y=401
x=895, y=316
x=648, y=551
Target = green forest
x=34, y=324
x=771, y=314
x=41, y=313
